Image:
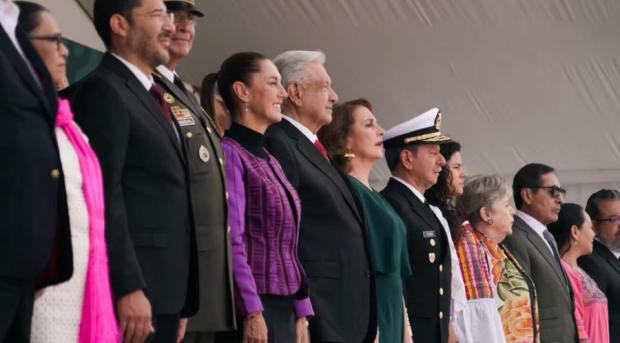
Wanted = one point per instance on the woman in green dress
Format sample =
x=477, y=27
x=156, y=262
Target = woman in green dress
x=355, y=142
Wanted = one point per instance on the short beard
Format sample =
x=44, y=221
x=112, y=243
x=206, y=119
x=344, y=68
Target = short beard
x=148, y=51
x=613, y=244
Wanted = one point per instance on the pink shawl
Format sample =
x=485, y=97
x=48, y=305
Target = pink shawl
x=98, y=320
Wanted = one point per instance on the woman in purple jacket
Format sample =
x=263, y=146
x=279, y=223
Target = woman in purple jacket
x=264, y=209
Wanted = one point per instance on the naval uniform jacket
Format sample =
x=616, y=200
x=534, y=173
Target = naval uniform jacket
x=604, y=268
x=33, y=204
x=427, y=290
x=332, y=240
x=146, y=184
x=207, y=177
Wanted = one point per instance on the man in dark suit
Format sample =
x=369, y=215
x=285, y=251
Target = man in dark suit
x=603, y=265
x=149, y=224
x=332, y=241
x=35, y=242
x=208, y=182
x=412, y=153
x=538, y=197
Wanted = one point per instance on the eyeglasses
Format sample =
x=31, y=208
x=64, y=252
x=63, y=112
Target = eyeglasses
x=554, y=191
x=51, y=38
x=180, y=16
x=615, y=220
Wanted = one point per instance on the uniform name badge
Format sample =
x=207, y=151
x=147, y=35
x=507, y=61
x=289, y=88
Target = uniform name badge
x=431, y=257
x=429, y=234
x=183, y=116
x=203, y=153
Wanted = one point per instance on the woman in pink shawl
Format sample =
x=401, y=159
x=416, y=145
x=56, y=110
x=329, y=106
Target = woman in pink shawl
x=81, y=309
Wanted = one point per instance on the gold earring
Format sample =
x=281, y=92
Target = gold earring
x=349, y=155
x=490, y=221
x=247, y=106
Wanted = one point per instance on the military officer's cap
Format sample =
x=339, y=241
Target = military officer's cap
x=423, y=129
x=183, y=5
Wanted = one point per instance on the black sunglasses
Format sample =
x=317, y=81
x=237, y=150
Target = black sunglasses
x=51, y=38
x=554, y=191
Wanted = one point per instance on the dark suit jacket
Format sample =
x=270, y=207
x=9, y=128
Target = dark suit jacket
x=604, y=268
x=33, y=206
x=555, y=298
x=148, y=214
x=429, y=257
x=332, y=241
x=215, y=306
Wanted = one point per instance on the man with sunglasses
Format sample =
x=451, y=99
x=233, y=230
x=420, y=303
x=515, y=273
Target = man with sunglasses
x=214, y=294
x=603, y=265
x=538, y=197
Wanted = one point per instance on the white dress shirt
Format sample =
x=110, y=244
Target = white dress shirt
x=145, y=80
x=537, y=226
x=311, y=136
x=167, y=73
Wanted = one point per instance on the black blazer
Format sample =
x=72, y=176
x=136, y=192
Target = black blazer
x=332, y=241
x=427, y=290
x=214, y=310
x=555, y=295
x=33, y=205
x=148, y=215
x=604, y=268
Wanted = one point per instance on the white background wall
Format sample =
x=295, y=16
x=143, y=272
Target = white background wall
x=74, y=22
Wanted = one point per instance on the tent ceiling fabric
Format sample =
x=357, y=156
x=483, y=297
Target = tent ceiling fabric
x=517, y=81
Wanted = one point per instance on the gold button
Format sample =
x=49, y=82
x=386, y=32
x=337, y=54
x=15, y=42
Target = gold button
x=440, y=315
x=226, y=195
x=189, y=135
x=432, y=242
x=221, y=161
x=440, y=268
x=209, y=129
x=228, y=230
x=55, y=174
x=440, y=291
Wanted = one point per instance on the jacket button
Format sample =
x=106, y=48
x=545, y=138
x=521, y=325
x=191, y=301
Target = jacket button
x=440, y=268
x=209, y=130
x=221, y=161
x=55, y=174
x=440, y=315
x=189, y=135
x=228, y=229
x=432, y=242
x=440, y=291
x=368, y=274
x=226, y=195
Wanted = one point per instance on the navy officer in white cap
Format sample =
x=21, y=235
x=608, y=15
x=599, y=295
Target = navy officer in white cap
x=412, y=154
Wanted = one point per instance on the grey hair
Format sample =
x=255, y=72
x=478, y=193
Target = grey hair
x=593, y=206
x=292, y=65
x=480, y=191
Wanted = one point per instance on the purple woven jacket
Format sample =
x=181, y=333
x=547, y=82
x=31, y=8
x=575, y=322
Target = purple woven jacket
x=264, y=229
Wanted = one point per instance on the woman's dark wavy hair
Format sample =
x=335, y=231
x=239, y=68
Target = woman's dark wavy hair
x=439, y=194
x=570, y=214
x=238, y=67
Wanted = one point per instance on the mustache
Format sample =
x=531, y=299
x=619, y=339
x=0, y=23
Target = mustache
x=164, y=35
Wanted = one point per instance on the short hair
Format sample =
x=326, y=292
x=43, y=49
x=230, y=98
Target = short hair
x=238, y=67
x=480, y=191
x=104, y=10
x=392, y=156
x=528, y=177
x=334, y=135
x=293, y=64
x=570, y=214
x=593, y=206
x=29, y=15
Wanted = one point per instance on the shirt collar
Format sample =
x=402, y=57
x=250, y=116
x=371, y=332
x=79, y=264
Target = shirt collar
x=167, y=73
x=413, y=189
x=146, y=81
x=537, y=226
x=311, y=136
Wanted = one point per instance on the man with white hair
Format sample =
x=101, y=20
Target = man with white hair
x=332, y=242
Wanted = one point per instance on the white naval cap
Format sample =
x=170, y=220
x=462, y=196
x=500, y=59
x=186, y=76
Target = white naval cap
x=423, y=129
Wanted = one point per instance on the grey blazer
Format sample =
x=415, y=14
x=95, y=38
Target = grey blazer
x=555, y=296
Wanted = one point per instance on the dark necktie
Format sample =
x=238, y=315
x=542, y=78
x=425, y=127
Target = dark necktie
x=179, y=83
x=549, y=238
x=319, y=146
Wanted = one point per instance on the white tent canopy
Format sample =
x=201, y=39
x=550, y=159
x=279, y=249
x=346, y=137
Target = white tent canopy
x=517, y=81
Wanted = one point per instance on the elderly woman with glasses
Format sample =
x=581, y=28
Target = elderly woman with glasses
x=574, y=237
x=81, y=309
x=501, y=297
